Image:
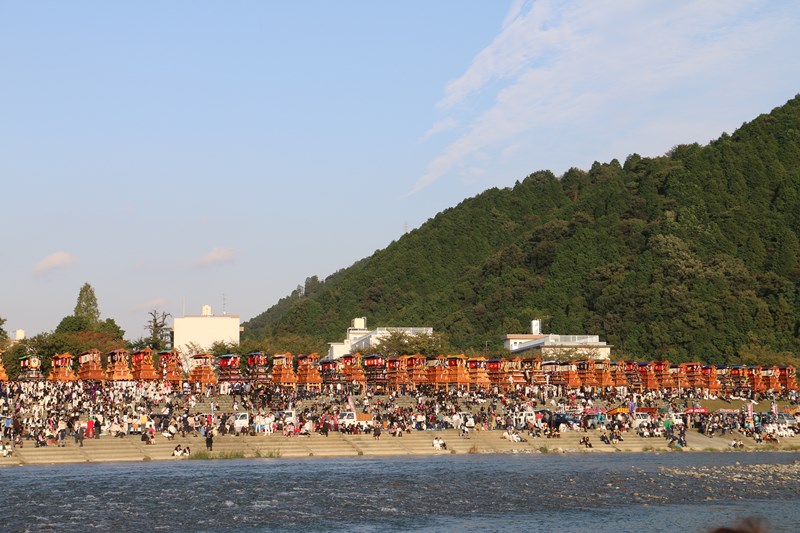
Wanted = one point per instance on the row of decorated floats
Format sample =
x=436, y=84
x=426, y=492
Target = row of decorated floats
x=120, y=365
x=408, y=372
x=459, y=371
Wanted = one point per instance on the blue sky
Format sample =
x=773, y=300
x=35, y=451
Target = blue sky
x=172, y=152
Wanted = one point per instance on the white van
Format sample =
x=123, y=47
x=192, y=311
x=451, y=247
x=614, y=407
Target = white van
x=637, y=419
x=468, y=419
x=351, y=418
x=241, y=422
x=522, y=419
x=289, y=417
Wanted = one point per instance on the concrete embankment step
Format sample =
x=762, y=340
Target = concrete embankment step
x=131, y=448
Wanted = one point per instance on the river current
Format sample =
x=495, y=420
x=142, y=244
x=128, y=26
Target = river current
x=471, y=493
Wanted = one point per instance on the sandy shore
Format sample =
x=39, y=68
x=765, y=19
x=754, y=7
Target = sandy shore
x=418, y=443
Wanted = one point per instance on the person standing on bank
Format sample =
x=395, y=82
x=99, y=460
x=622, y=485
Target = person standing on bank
x=210, y=439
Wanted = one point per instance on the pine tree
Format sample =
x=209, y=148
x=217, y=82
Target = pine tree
x=86, y=307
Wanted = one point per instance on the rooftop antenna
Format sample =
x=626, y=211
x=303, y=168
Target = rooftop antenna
x=223, y=305
x=405, y=228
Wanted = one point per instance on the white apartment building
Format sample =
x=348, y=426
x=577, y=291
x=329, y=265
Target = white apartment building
x=360, y=339
x=203, y=330
x=558, y=347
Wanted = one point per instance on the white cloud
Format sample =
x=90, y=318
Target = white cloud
x=218, y=256
x=598, y=70
x=446, y=124
x=53, y=262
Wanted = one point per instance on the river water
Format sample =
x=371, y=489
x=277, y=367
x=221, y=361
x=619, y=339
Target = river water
x=471, y=493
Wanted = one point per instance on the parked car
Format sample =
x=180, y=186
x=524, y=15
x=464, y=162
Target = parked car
x=289, y=416
x=522, y=419
x=241, y=422
x=637, y=419
x=786, y=419
x=351, y=418
x=567, y=419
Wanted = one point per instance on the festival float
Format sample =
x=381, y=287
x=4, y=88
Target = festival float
x=738, y=379
x=772, y=378
x=30, y=368
x=694, y=374
x=679, y=378
x=619, y=375
x=723, y=376
x=647, y=374
x=352, y=371
x=438, y=372
x=587, y=373
x=417, y=368
x=532, y=368
x=258, y=364
x=171, y=367
x=282, y=372
x=61, y=369
x=552, y=375
x=633, y=376
x=142, y=363
x=202, y=371
x=117, y=366
x=308, y=376
x=602, y=373
x=513, y=370
x=478, y=376
x=569, y=374
x=90, y=366
x=710, y=381
x=375, y=371
x=458, y=375
x=331, y=372
x=755, y=381
x=664, y=377
x=497, y=374
x=397, y=374
x=788, y=377
x=229, y=368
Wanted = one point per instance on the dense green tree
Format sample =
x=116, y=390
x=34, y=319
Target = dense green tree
x=73, y=324
x=86, y=307
x=110, y=327
x=3, y=334
x=401, y=343
x=223, y=348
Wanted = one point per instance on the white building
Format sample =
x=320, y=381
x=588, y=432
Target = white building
x=203, y=330
x=559, y=347
x=359, y=339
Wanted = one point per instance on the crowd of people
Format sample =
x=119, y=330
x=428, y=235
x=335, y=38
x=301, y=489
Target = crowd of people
x=47, y=413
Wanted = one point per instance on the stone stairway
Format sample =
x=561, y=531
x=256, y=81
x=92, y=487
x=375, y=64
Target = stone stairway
x=131, y=448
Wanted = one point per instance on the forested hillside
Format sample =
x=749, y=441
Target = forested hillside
x=692, y=255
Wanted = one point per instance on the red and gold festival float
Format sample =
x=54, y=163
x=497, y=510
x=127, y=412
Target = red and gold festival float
x=62, y=368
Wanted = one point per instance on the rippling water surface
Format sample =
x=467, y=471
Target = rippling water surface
x=591, y=492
